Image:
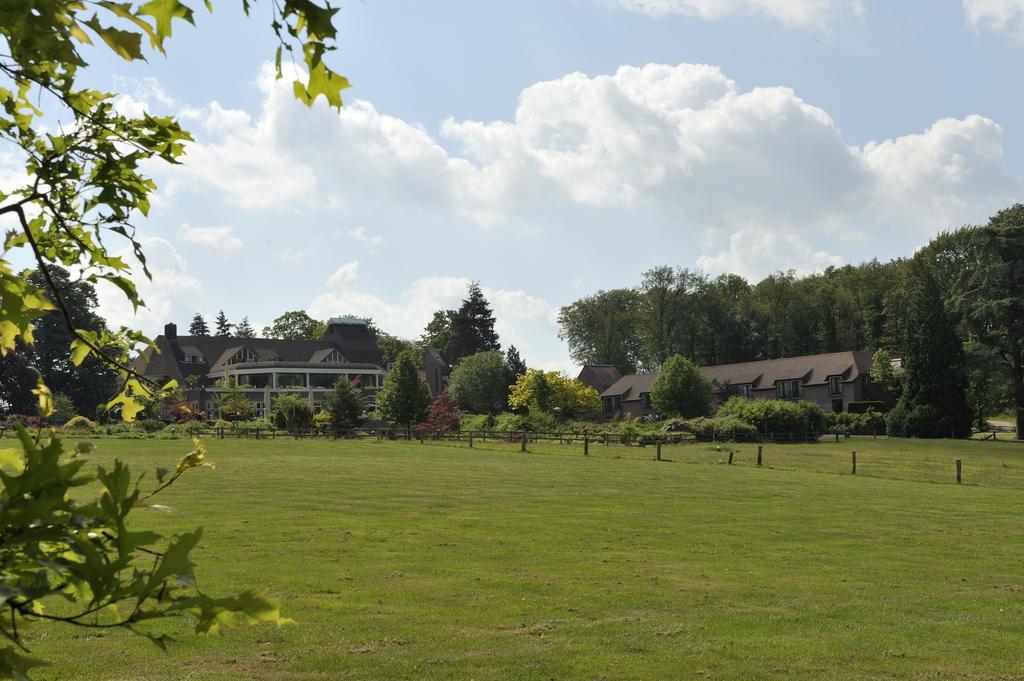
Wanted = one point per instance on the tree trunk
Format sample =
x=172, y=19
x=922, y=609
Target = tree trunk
x=1018, y=390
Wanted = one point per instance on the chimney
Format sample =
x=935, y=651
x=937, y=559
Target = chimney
x=170, y=331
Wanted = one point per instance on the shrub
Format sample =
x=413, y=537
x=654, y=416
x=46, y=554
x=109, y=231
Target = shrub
x=63, y=409
x=292, y=413
x=863, y=407
x=150, y=425
x=719, y=428
x=80, y=424
x=221, y=423
x=776, y=416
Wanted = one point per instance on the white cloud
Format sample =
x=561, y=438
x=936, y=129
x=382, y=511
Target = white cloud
x=1004, y=16
x=345, y=274
x=793, y=13
x=682, y=141
x=371, y=242
x=220, y=240
x=171, y=284
x=755, y=251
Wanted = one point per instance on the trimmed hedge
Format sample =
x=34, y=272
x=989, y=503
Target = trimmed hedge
x=720, y=428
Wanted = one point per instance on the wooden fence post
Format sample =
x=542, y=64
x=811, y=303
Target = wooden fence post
x=257, y=433
x=730, y=458
x=958, y=470
x=471, y=439
x=759, y=452
x=658, y=456
x=853, y=461
x=522, y=441
x=586, y=445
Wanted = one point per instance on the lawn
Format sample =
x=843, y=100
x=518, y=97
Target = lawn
x=436, y=561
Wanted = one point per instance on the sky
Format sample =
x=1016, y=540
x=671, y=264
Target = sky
x=552, y=148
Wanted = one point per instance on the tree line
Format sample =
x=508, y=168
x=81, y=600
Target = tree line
x=953, y=314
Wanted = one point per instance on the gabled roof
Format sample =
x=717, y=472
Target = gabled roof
x=631, y=386
x=600, y=377
x=323, y=353
x=811, y=369
x=352, y=339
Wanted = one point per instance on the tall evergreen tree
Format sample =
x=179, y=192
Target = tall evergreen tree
x=934, y=400
x=463, y=332
x=345, y=406
x=405, y=396
x=198, y=326
x=223, y=325
x=244, y=329
x=514, y=364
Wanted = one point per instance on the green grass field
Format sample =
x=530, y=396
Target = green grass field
x=436, y=561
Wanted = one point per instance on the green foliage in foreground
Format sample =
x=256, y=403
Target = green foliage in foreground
x=405, y=561
x=681, y=390
x=56, y=548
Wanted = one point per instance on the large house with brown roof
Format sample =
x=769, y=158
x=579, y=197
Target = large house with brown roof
x=833, y=380
x=265, y=368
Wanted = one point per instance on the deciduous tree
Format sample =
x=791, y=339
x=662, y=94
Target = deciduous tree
x=479, y=383
x=83, y=188
x=681, y=390
x=295, y=325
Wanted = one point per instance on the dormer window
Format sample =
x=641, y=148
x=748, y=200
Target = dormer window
x=747, y=391
x=835, y=385
x=789, y=389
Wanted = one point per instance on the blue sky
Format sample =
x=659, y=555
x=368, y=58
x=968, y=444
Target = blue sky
x=551, y=149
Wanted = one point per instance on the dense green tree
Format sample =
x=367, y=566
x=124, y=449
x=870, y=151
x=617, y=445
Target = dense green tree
x=934, y=399
x=88, y=384
x=479, y=383
x=514, y=366
x=295, y=325
x=989, y=387
x=463, y=332
x=405, y=396
x=198, y=327
x=603, y=329
x=681, y=390
x=223, y=325
x=985, y=271
x=345, y=406
x=244, y=329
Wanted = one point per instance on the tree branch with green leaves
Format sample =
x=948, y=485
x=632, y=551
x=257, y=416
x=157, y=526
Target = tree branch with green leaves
x=84, y=186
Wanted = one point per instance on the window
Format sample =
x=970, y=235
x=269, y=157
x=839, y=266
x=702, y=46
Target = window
x=835, y=385
x=243, y=355
x=291, y=380
x=789, y=390
x=258, y=408
x=645, y=401
x=323, y=380
x=333, y=358
x=747, y=390
x=609, y=406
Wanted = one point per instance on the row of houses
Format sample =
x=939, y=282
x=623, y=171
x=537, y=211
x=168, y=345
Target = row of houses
x=833, y=381
x=264, y=368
